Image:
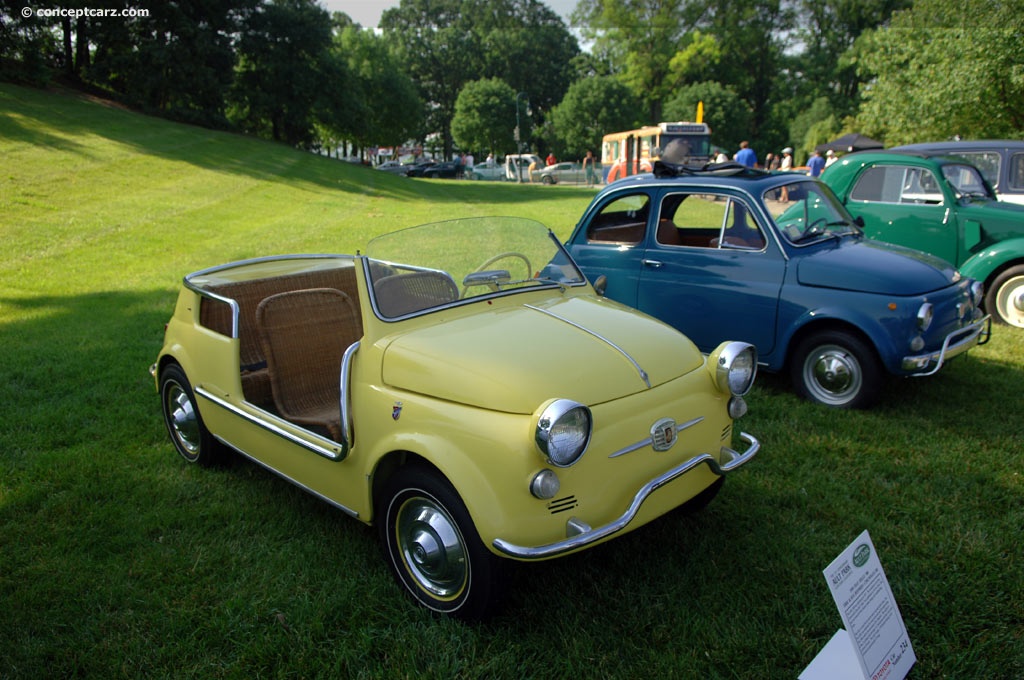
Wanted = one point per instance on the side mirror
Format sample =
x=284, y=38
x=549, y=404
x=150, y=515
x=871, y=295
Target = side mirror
x=859, y=221
x=600, y=284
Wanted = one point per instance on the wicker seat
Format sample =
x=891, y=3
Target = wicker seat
x=401, y=294
x=304, y=334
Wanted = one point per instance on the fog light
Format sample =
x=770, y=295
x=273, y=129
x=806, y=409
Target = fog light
x=917, y=344
x=737, y=407
x=545, y=484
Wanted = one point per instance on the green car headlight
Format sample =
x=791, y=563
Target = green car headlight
x=563, y=431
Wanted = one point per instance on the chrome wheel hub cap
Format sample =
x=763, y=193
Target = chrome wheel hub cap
x=833, y=374
x=183, y=419
x=432, y=548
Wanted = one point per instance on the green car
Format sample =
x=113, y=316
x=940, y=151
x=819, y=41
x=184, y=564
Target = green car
x=941, y=205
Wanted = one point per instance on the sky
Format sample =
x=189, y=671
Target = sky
x=367, y=12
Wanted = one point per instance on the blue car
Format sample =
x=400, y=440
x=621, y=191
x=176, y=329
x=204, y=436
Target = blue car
x=775, y=259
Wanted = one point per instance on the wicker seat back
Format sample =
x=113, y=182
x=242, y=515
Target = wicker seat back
x=402, y=294
x=304, y=334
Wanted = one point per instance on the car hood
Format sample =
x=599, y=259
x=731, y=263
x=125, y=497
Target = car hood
x=876, y=267
x=513, y=359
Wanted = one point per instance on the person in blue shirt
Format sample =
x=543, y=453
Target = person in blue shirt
x=746, y=155
x=816, y=164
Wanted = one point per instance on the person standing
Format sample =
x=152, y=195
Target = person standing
x=588, y=168
x=830, y=157
x=551, y=160
x=468, y=172
x=746, y=156
x=816, y=164
x=785, y=164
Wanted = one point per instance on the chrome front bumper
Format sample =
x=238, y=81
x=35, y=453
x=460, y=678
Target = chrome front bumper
x=581, y=535
x=957, y=342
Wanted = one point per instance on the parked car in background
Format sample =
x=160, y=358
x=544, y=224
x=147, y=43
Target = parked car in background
x=488, y=170
x=444, y=170
x=393, y=167
x=562, y=172
x=517, y=166
x=418, y=168
x=775, y=260
x=461, y=387
x=1001, y=162
x=942, y=205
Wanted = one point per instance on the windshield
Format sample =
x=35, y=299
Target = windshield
x=807, y=211
x=437, y=265
x=966, y=180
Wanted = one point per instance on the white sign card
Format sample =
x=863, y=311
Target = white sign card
x=875, y=635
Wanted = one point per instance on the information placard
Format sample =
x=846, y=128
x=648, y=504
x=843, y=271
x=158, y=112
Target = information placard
x=874, y=626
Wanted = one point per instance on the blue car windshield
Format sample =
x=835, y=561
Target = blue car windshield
x=806, y=211
x=438, y=265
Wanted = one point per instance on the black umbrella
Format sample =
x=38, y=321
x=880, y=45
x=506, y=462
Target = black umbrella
x=850, y=142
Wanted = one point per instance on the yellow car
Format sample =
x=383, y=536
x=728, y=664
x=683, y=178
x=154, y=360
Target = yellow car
x=462, y=387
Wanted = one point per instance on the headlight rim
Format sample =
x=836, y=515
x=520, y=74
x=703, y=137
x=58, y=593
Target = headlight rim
x=548, y=418
x=727, y=361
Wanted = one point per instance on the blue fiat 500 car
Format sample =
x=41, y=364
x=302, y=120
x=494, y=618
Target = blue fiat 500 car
x=774, y=259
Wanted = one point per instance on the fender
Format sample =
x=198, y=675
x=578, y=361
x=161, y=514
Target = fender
x=985, y=263
x=868, y=325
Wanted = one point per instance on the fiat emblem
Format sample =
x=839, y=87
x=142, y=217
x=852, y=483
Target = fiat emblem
x=663, y=434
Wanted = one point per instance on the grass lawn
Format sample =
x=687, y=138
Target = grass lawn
x=119, y=560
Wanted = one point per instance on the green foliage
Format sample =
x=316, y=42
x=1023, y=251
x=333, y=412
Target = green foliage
x=485, y=116
x=380, y=105
x=943, y=69
x=285, y=70
x=591, y=108
x=728, y=116
x=119, y=560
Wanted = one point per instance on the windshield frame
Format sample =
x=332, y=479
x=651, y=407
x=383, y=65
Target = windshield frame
x=812, y=212
x=444, y=280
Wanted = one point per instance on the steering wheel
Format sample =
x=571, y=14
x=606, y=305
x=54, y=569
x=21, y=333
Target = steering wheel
x=497, y=258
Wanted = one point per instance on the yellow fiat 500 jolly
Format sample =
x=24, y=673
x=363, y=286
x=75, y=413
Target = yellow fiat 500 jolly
x=462, y=387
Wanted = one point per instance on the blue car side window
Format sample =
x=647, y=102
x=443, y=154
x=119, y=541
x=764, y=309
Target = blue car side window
x=621, y=221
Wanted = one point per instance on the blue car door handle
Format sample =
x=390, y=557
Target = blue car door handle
x=651, y=263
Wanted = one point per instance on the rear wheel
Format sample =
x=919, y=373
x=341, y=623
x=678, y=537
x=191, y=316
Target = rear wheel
x=837, y=369
x=1005, y=298
x=188, y=433
x=433, y=548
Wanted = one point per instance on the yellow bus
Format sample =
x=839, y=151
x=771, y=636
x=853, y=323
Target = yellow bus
x=632, y=151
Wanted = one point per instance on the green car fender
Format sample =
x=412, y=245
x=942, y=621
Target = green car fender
x=988, y=261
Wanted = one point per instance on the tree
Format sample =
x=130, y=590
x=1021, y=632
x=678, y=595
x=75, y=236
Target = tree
x=640, y=38
x=448, y=43
x=380, y=105
x=485, y=116
x=592, y=108
x=943, y=69
x=285, y=71
x=828, y=30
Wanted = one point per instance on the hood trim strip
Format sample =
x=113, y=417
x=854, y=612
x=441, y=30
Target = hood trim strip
x=639, y=369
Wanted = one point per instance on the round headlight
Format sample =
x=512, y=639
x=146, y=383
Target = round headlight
x=924, y=316
x=977, y=292
x=563, y=431
x=737, y=367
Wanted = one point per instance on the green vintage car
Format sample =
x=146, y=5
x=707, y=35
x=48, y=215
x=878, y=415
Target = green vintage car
x=941, y=205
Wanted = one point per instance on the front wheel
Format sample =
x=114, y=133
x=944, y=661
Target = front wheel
x=433, y=548
x=188, y=433
x=1005, y=298
x=836, y=369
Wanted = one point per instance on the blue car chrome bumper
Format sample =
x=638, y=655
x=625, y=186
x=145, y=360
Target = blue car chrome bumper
x=957, y=342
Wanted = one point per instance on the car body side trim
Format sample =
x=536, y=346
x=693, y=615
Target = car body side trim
x=587, y=537
x=315, y=444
